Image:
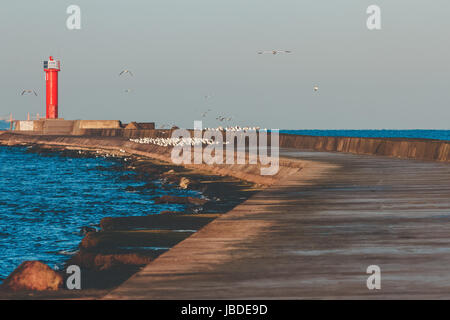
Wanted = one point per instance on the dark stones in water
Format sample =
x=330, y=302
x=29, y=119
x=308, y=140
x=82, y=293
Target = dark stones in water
x=86, y=230
x=179, y=200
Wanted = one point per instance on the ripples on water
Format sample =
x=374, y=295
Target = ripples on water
x=46, y=200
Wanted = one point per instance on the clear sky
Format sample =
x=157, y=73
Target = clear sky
x=180, y=51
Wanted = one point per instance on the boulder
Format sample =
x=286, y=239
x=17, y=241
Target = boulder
x=33, y=275
x=184, y=183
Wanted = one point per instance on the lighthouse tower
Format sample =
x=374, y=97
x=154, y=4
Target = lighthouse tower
x=51, y=69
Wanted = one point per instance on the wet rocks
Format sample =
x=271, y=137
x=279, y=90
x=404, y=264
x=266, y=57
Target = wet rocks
x=102, y=262
x=170, y=212
x=179, y=200
x=33, y=275
x=86, y=230
x=110, y=241
x=184, y=183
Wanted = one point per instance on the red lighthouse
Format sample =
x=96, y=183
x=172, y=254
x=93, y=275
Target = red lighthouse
x=51, y=68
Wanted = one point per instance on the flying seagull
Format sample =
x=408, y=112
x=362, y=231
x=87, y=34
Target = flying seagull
x=316, y=88
x=274, y=52
x=205, y=113
x=28, y=91
x=125, y=71
x=128, y=90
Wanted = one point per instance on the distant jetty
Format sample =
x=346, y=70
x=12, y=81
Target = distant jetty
x=405, y=148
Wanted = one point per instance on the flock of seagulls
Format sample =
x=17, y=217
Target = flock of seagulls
x=220, y=118
x=274, y=52
x=172, y=142
x=236, y=129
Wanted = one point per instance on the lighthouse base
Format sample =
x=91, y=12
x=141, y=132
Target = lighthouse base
x=52, y=112
x=64, y=127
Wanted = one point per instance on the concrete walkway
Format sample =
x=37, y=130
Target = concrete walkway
x=313, y=236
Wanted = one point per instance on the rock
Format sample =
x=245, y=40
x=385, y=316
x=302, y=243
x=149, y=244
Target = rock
x=108, y=261
x=101, y=262
x=170, y=212
x=86, y=230
x=179, y=200
x=90, y=240
x=184, y=183
x=33, y=275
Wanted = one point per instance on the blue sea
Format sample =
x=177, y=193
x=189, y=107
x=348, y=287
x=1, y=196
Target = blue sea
x=4, y=125
x=385, y=133
x=46, y=200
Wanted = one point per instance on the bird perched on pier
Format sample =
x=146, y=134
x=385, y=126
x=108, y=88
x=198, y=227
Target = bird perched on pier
x=316, y=88
x=126, y=71
x=28, y=92
x=274, y=52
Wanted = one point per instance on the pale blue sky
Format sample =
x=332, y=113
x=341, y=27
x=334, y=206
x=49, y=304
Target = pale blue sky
x=180, y=51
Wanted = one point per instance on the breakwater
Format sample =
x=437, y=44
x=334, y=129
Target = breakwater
x=272, y=219
x=419, y=149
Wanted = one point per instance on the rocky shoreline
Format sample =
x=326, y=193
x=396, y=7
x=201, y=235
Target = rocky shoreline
x=119, y=247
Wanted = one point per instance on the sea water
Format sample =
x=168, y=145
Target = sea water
x=46, y=200
x=385, y=133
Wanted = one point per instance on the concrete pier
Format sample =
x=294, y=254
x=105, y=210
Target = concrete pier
x=314, y=234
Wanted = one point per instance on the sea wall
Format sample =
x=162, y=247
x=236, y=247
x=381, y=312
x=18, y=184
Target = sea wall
x=99, y=124
x=420, y=149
